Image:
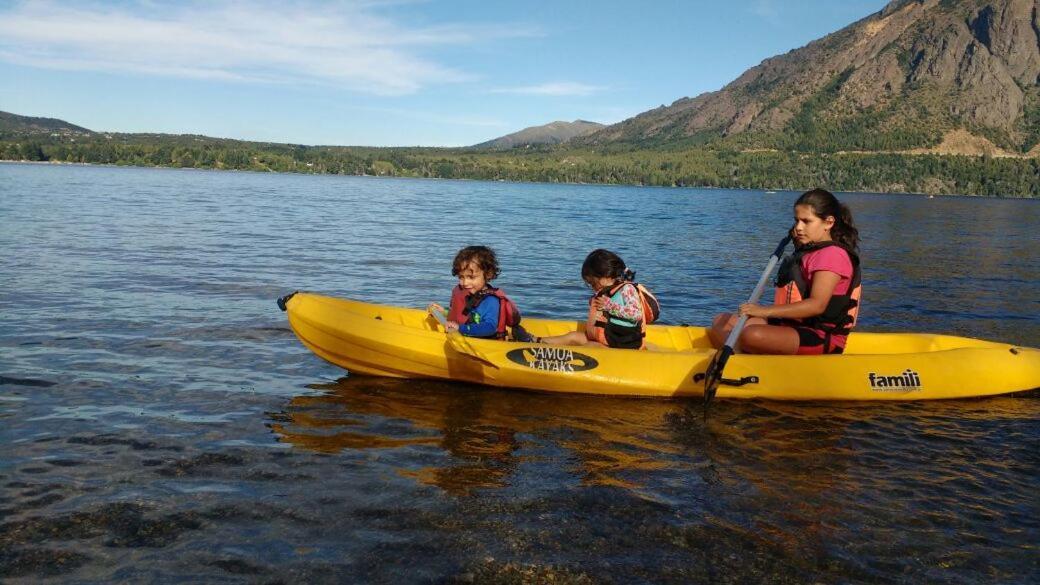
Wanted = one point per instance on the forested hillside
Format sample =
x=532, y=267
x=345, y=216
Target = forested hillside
x=692, y=167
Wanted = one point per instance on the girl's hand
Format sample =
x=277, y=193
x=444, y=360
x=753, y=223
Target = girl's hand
x=451, y=326
x=599, y=302
x=753, y=310
x=435, y=307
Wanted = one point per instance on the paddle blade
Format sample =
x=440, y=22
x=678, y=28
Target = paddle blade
x=713, y=375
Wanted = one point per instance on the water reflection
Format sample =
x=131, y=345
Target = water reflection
x=806, y=479
x=486, y=433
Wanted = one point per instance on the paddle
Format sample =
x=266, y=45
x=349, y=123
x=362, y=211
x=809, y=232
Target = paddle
x=713, y=375
x=460, y=343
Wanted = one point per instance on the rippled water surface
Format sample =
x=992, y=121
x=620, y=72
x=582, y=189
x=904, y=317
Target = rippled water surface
x=159, y=422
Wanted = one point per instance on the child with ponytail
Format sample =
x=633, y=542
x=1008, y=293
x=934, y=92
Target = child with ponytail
x=818, y=288
x=619, y=309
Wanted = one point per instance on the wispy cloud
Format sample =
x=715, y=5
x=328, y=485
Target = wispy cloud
x=347, y=44
x=557, y=88
x=766, y=10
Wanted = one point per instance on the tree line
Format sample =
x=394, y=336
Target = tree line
x=706, y=166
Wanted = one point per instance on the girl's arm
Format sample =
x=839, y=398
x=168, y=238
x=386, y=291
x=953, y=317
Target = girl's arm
x=631, y=308
x=823, y=285
x=485, y=319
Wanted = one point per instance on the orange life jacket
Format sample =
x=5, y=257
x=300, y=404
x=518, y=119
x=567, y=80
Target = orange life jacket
x=599, y=328
x=842, y=311
x=463, y=304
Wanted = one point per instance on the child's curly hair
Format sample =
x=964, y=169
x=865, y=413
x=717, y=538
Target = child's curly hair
x=482, y=256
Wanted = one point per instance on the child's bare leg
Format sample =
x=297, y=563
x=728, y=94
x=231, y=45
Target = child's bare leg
x=769, y=339
x=571, y=338
x=720, y=328
x=724, y=323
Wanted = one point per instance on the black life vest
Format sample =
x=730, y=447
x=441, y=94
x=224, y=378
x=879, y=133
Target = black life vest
x=842, y=311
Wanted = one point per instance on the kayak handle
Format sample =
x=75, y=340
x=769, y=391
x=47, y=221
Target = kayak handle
x=728, y=381
x=285, y=299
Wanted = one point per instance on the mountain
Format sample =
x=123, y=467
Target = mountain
x=942, y=76
x=28, y=125
x=552, y=133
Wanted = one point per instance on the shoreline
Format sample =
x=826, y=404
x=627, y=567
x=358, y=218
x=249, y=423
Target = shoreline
x=764, y=190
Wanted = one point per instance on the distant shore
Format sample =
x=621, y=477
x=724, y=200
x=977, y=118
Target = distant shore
x=765, y=190
x=630, y=164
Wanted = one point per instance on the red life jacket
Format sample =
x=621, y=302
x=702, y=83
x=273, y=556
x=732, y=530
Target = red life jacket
x=842, y=311
x=462, y=305
x=599, y=328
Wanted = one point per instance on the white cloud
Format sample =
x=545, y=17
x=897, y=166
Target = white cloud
x=557, y=88
x=344, y=44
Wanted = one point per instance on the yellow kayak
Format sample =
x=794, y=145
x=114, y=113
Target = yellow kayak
x=381, y=340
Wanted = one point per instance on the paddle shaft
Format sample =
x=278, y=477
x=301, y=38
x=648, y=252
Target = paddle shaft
x=440, y=319
x=731, y=340
x=713, y=375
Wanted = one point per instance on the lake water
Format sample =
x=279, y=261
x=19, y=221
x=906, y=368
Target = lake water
x=159, y=422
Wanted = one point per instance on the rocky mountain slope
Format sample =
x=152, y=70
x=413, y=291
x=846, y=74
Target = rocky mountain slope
x=919, y=74
x=552, y=133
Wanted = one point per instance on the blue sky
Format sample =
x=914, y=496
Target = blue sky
x=384, y=72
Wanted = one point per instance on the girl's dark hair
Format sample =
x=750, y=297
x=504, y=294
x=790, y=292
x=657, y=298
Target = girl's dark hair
x=605, y=264
x=482, y=256
x=823, y=204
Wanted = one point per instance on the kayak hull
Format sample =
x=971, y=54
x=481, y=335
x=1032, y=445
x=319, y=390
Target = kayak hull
x=381, y=340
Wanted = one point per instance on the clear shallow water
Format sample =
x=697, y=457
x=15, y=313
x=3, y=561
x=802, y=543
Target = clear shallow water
x=159, y=421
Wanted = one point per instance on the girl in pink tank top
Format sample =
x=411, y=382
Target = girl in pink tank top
x=817, y=300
